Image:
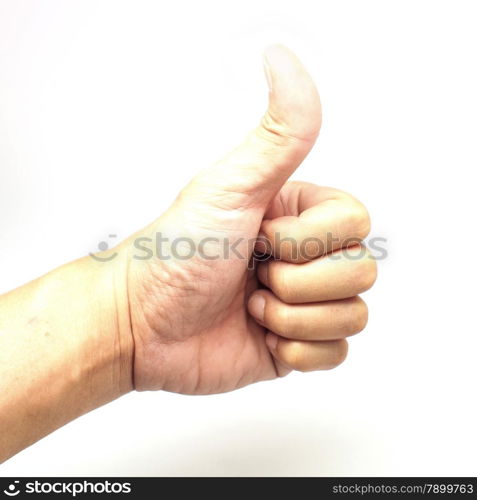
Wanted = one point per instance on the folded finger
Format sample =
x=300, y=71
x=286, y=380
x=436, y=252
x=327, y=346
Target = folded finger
x=316, y=321
x=307, y=221
x=340, y=275
x=307, y=356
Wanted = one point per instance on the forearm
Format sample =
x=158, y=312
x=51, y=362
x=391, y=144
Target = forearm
x=64, y=350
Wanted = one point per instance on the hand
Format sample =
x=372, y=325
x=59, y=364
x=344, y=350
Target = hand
x=180, y=308
x=203, y=322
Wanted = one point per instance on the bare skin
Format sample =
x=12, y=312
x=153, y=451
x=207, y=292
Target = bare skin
x=92, y=331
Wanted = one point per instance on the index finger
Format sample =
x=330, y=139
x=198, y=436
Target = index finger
x=305, y=221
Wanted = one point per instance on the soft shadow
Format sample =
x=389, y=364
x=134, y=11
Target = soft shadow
x=251, y=449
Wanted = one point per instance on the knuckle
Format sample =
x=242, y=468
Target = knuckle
x=281, y=319
x=338, y=354
x=301, y=365
x=276, y=130
x=359, y=220
x=359, y=317
x=281, y=284
x=291, y=354
x=367, y=272
x=272, y=130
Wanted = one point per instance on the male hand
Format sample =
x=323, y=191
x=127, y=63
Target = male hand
x=183, y=306
x=204, y=322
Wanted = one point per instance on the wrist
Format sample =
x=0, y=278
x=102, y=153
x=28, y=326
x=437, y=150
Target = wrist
x=112, y=349
x=82, y=304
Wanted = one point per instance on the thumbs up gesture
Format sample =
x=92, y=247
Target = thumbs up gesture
x=205, y=315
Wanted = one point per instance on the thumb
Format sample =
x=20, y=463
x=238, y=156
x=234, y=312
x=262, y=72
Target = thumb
x=254, y=172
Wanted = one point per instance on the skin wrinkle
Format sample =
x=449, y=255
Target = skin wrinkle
x=130, y=323
x=272, y=124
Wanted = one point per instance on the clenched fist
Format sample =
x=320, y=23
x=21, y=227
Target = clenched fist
x=210, y=321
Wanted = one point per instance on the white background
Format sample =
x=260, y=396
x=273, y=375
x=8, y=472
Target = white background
x=108, y=107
